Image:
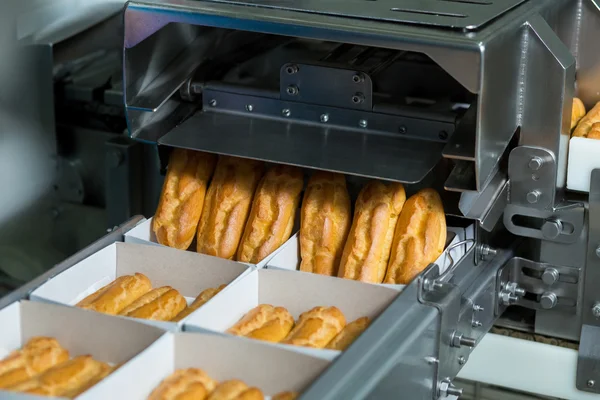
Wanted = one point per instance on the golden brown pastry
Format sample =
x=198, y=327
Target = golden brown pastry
x=420, y=237
x=285, y=396
x=117, y=295
x=227, y=206
x=316, y=327
x=595, y=131
x=265, y=322
x=273, y=213
x=324, y=224
x=585, y=125
x=347, y=336
x=68, y=379
x=39, y=354
x=367, y=250
x=161, y=304
x=202, y=299
x=182, y=198
x=190, y=383
x=577, y=113
x=235, y=390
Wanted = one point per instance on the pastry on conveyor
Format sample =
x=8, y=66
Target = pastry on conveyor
x=285, y=396
x=161, y=304
x=264, y=322
x=367, y=250
x=182, y=198
x=325, y=221
x=235, y=390
x=585, y=125
x=273, y=213
x=594, y=131
x=317, y=327
x=349, y=334
x=114, y=297
x=202, y=299
x=227, y=206
x=420, y=237
x=190, y=383
x=577, y=113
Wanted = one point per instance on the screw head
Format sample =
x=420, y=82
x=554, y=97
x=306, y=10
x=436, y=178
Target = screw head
x=286, y=112
x=548, y=300
x=477, y=307
x=551, y=229
x=533, y=197
x=596, y=310
x=476, y=324
x=591, y=383
x=363, y=123
x=462, y=360
x=550, y=276
x=535, y=163
x=358, y=98
x=324, y=117
x=402, y=130
x=212, y=103
x=291, y=69
x=358, y=78
x=249, y=107
x=292, y=90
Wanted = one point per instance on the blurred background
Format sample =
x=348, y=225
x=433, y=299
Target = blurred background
x=67, y=172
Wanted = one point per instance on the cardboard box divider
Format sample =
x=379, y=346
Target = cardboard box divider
x=143, y=234
x=288, y=258
x=270, y=369
x=81, y=332
x=189, y=273
x=296, y=291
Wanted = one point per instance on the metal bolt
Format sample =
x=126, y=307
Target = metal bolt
x=476, y=324
x=535, y=163
x=462, y=360
x=291, y=69
x=363, y=123
x=358, y=98
x=249, y=107
x=454, y=391
x=520, y=291
x=596, y=310
x=358, y=78
x=324, y=117
x=431, y=360
x=533, y=196
x=548, y=300
x=591, y=383
x=402, y=130
x=286, y=112
x=486, y=252
x=212, y=103
x=292, y=90
x=467, y=341
x=551, y=229
x=477, y=307
x=550, y=276
x=443, y=135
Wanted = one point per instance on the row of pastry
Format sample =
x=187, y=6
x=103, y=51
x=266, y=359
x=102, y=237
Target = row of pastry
x=585, y=125
x=133, y=296
x=236, y=212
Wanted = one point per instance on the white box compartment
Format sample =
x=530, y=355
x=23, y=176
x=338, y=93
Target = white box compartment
x=82, y=332
x=268, y=368
x=288, y=257
x=143, y=234
x=296, y=291
x=583, y=158
x=189, y=273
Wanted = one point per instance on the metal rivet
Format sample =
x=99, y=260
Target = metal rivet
x=533, y=197
x=462, y=360
x=402, y=130
x=596, y=310
x=249, y=107
x=476, y=324
x=292, y=90
x=324, y=117
x=591, y=383
x=212, y=103
x=535, y=163
x=358, y=98
x=550, y=276
x=358, y=78
x=291, y=69
x=286, y=112
x=363, y=123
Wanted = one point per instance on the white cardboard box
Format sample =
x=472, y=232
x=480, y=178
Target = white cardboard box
x=583, y=158
x=143, y=234
x=288, y=257
x=112, y=340
x=268, y=368
x=189, y=273
x=296, y=291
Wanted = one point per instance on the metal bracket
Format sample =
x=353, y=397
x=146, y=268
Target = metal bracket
x=532, y=174
x=588, y=362
x=552, y=286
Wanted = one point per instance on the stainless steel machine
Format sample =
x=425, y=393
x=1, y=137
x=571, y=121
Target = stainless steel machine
x=471, y=96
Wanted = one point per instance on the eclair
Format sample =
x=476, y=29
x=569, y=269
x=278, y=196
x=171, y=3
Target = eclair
x=182, y=198
x=585, y=124
x=117, y=295
x=349, y=334
x=367, y=250
x=578, y=112
x=190, y=383
x=227, y=206
x=161, y=304
x=324, y=223
x=273, y=213
x=420, y=237
x=235, y=390
x=316, y=328
x=265, y=322
x=285, y=396
x=202, y=299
